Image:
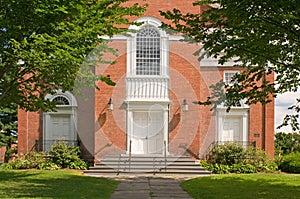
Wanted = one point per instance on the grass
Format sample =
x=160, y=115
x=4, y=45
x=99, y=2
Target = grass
x=53, y=184
x=248, y=186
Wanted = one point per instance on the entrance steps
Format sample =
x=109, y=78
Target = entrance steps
x=147, y=164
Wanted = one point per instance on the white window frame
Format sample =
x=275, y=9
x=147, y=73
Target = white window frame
x=70, y=109
x=148, y=51
x=231, y=73
x=131, y=47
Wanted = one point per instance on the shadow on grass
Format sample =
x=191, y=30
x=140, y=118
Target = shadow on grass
x=53, y=184
x=244, y=186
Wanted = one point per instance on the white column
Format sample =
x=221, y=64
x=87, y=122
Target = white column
x=129, y=128
x=166, y=125
x=245, y=127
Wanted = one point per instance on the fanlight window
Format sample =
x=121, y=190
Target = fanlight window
x=148, y=51
x=60, y=100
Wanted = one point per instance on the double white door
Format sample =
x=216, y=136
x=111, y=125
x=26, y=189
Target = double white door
x=147, y=135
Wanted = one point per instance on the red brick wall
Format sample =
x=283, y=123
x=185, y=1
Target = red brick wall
x=29, y=130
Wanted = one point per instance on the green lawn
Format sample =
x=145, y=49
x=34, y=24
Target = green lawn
x=254, y=186
x=53, y=184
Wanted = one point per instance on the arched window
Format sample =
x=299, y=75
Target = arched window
x=148, y=53
x=61, y=100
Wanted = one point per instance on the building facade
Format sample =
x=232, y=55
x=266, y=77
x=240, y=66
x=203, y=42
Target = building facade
x=151, y=109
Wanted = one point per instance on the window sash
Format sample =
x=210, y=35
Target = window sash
x=148, y=53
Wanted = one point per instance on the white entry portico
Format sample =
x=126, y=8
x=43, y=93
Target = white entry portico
x=147, y=127
x=147, y=88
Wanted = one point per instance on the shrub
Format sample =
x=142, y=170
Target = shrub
x=29, y=160
x=60, y=156
x=215, y=167
x=48, y=165
x=66, y=156
x=233, y=158
x=290, y=163
x=243, y=168
x=227, y=154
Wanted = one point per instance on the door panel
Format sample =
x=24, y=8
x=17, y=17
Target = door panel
x=139, y=138
x=231, y=129
x=155, y=135
x=147, y=132
x=60, y=127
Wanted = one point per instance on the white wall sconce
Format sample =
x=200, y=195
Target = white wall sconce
x=110, y=105
x=185, y=106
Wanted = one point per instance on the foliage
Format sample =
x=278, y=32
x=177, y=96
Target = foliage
x=290, y=163
x=229, y=154
x=286, y=143
x=261, y=37
x=53, y=184
x=66, y=156
x=44, y=43
x=29, y=160
x=60, y=156
x=233, y=158
x=247, y=186
x=8, y=130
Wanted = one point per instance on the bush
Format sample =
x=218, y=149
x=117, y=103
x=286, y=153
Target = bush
x=243, y=168
x=60, y=156
x=29, y=160
x=66, y=156
x=290, y=163
x=48, y=165
x=227, y=154
x=233, y=158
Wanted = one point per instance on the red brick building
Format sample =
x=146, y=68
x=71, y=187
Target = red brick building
x=152, y=111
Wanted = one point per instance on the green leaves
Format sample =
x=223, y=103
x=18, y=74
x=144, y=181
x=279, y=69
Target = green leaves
x=262, y=37
x=43, y=45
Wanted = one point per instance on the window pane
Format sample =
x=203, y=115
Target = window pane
x=148, y=51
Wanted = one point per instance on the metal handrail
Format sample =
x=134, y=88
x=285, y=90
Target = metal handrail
x=129, y=158
x=165, y=154
x=118, y=170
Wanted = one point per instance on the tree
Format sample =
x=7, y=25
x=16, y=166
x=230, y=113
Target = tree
x=44, y=42
x=286, y=143
x=8, y=130
x=260, y=36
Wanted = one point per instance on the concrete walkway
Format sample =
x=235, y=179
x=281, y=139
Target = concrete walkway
x=146, y=187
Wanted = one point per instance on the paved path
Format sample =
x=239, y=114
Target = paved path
x=149, y=187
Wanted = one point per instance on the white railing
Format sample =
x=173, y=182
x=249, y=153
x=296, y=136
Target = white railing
x=147, y=88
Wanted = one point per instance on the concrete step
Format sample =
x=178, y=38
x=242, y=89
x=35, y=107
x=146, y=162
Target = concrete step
x=147, y=164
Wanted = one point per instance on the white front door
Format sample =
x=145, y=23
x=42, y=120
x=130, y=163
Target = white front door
x=60, y=127
x=231, y=129
x=147, y=132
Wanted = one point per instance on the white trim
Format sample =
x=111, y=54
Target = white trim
x=146, y=20
x=242, y=113
x=123, y=37
x=208, y=61
x=233, y=72
x=67, y=94
x=131, y=47
x=132, y=107
x=114, y=37
x=69, y=110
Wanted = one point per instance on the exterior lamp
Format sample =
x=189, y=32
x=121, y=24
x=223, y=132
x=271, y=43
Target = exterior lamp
x=110, y=105
x=185, y=106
